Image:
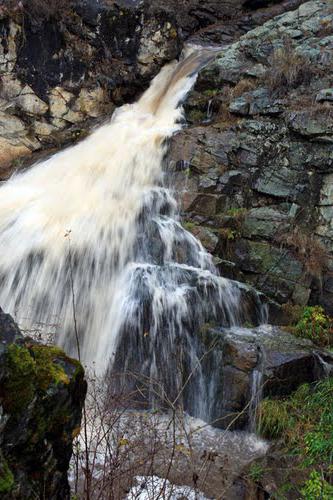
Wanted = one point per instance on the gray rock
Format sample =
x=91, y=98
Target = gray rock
x=325, y=95
x=257, y=102
x=311, y=125
x=260, y=362
x=264, y=222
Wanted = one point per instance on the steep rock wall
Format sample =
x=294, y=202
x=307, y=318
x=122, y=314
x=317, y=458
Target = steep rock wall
x=254, y=170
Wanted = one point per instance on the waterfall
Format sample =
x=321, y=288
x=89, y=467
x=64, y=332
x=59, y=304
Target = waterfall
x=95, y=224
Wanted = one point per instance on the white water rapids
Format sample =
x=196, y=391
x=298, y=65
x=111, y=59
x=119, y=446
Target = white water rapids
x=140, y=281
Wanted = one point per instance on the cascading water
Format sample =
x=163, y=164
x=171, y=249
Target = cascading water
x=142, y=284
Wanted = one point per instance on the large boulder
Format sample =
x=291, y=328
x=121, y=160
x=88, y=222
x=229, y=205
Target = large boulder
x=42, y=392
x=255, y=363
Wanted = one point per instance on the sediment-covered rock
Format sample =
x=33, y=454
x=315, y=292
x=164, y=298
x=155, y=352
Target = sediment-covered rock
x=41, y=397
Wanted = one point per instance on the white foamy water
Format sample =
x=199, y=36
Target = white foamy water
x=93, y=230
x=154, y=455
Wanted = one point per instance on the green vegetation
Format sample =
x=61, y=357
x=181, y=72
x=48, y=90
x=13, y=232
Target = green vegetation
x=317, y=487
x=19, y=388
x=47, y=371
x=210, y=92
x=31, y=369
x=304, y=425
x=316, y=326
x=228, y=234
x=236, y=212
x=311, y=323
x=189, y=225
x=256, y=472
x=6, y=477
x=196, y=116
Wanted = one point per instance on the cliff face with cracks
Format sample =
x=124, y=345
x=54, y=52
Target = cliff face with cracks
x=64, y=65
x=254, y=169
x=41, y=397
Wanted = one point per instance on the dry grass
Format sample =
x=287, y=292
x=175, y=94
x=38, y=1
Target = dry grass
x=38, y=9
x=307, y=249
x=244, y=85
x=288, y=70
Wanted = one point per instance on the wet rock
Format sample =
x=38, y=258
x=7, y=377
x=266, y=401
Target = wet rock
x=264, y=222
x=259, y=362
x=41, y=397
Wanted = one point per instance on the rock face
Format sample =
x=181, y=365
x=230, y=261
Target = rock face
x=71, y=62
x=255, y=363
x=254, y=169
x=66, y=64
x=41, y=397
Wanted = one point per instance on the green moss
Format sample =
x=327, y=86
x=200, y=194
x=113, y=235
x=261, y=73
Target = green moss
x=6, y=477
x=34, y=368
x=188, y=225
x=19, y=387
x=47, y=370
x=210, y=92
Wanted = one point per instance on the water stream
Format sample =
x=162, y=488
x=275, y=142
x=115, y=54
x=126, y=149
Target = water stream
x=96, y=226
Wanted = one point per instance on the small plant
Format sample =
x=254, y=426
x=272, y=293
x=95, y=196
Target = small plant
x=244, y=85
x=236, y=212
x=256, y=472
x=316, y=326
x=6, y=477
x=273, y=418
x=317, y=488
x=228, y=234
x=303, y=423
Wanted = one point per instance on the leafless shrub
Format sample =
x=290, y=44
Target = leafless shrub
x=124, y=444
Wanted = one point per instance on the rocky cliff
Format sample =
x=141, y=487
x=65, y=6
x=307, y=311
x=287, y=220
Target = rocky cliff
x=41, y=397
x=255, y=169
x=256, y=160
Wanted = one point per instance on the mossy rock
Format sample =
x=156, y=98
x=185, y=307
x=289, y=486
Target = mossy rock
x=6, y=477
x=42, y=393
x=31, y=368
